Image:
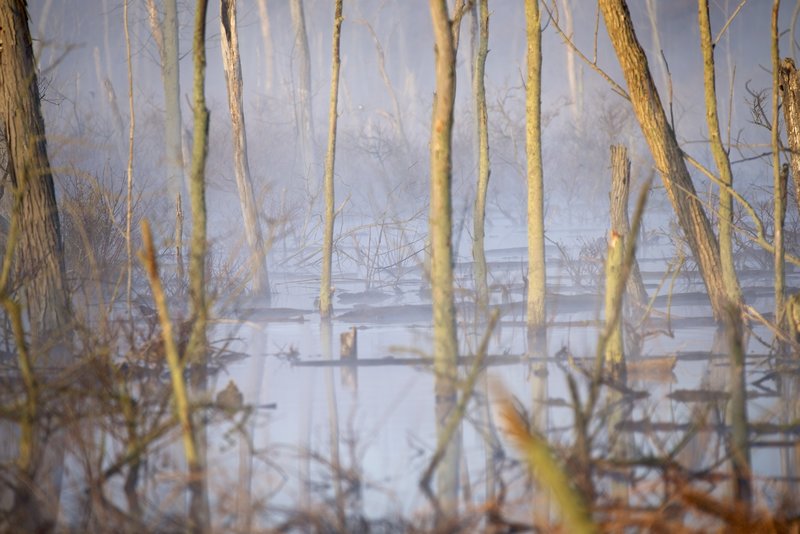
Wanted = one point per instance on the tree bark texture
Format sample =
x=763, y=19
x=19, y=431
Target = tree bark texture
x=484, y=170
x=620, y=190
x=533, y=145
x=778, y=175
x=40, y=259
x=200, y=517
x=729, y=279
x=790, y=89
x=614, y=351
x=233, y=79
x=330, y=159
x=666, y=151
x=445, y=348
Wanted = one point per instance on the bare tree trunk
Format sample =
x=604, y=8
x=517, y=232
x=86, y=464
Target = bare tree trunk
x=129, y=192
x=620, y=190
x=233, y=78
x=440, y=224
x=39, y=265
x=325, y=307
x=305, y=121
x=479, y=214
x=666, y=151
x=729, y=279
x=533, y=134
x=779, y=176
x=614, y=351
x=269, y=51
x=165, y=34
x=790, y=87
x=573, y=71
x=196, y=350
x=40, y=260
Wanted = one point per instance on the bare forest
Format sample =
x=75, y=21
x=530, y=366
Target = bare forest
x=344, y=266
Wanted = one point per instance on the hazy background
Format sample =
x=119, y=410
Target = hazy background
x=81, y=44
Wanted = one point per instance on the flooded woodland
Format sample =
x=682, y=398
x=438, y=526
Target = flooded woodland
x=401, y=266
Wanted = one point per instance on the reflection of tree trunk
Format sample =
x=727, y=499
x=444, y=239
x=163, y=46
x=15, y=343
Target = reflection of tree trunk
x=233, y=78
x=303, y=113
x=666, y=151
x=479, y=214
x=533, y=135
x=326, y=338
x=440, y=224
x=325, y=307
x=540, y=417
x=620, y=189
x=737, y=410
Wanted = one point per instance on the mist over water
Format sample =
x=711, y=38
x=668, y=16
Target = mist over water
x=321, y=434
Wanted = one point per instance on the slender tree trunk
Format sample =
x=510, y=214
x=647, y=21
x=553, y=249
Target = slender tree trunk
x=325, y=307
x=666, y=151
x=180, y=391
x=533, y=136
x=729, y=279
x=197, y=190
x=269, y=51
x=779, y=175
x=620, y=190
x=440, y=224
x=129, y=195
x=172, y=97
x=305, y=122
x=573, y=71
x=165, y=34
x=233, y=78
x=196, y=349
x=479, y=214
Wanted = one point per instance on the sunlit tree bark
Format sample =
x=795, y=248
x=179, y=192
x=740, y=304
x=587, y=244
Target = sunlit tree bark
x=445, y=348
x=330, y=157
x=40, y=260
x=197, y=190
x=729, y=279
x=533, y=131
x=196, y=349
x=39, y=266
x=479, y=213
x=666, y=151
x=233, y=78
x=790, y=89
x=779, y=180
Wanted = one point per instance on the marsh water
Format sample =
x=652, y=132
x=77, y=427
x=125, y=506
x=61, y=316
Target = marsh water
x=322, y=433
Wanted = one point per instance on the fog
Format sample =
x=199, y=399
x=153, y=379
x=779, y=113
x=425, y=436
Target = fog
x=325, y=444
